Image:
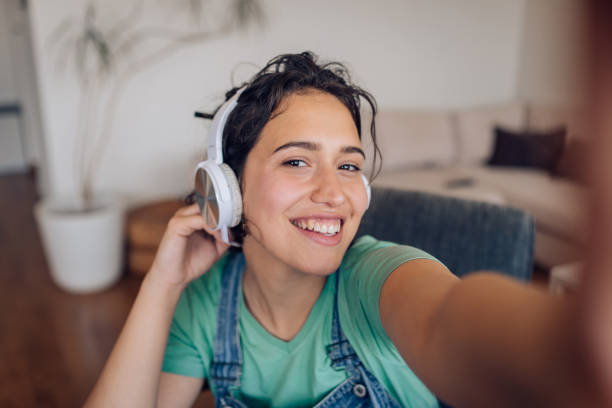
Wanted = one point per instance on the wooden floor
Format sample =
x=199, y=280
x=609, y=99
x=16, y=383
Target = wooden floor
x=53, y=344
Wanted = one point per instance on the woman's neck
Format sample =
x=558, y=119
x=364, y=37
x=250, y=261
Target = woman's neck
x=278, y=296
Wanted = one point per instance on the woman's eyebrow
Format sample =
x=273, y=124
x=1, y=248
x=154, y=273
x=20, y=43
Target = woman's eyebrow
x=316, y=146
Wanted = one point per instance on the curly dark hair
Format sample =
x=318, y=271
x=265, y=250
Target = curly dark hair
x=285, y=75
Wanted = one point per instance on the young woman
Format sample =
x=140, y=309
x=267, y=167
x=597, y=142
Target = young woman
x=301, y=316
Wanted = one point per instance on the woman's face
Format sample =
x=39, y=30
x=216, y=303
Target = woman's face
x=303, y=194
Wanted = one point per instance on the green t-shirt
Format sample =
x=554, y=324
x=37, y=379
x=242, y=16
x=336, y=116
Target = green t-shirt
x=298, y=373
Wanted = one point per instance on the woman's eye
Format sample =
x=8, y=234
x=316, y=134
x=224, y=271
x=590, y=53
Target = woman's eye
x=295, y=163
x=349, y=167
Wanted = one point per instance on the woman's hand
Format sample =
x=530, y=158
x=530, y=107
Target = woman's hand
x=187, y=250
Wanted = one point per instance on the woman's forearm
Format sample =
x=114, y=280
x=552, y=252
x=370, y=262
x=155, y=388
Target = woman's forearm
x=131, y=375
x=509, y=339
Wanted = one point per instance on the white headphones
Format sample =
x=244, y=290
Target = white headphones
x=217, y=188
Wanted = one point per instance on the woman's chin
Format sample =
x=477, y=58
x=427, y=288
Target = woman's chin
x=300, y=253
x=323, y=266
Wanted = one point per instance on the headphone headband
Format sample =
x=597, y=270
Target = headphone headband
x=215, y=133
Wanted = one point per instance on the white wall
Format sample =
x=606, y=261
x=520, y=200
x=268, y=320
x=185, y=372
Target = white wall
x=408, y=53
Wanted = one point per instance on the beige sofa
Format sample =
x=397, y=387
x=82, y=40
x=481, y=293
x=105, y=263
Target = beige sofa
x=446, y=152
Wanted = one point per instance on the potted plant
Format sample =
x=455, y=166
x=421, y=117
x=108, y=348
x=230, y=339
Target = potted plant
x=82, y=235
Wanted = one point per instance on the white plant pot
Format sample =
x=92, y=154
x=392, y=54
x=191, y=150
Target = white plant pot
x=84, y=249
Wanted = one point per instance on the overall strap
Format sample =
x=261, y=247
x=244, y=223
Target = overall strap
x=226, y=366
x=342, y=355
x=340, y=351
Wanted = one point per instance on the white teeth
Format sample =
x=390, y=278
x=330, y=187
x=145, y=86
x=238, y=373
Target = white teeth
x=312, y=225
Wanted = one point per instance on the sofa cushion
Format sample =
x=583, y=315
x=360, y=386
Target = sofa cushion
x=475, y=129
x=448, y=181
x=558, y=205
x=415, y=139
x=528, y=149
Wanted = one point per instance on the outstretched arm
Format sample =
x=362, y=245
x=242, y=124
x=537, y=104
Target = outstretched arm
x=487, y=340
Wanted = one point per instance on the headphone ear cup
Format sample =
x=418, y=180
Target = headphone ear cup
x=366, y=183
x=235, y=195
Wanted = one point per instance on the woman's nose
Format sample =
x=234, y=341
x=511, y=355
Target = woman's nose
x=328, y=188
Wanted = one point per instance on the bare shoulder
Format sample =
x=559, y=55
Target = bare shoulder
x=409, y=299
x=420, y=280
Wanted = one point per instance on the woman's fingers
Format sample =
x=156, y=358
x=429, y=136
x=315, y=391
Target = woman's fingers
x=185, y=225
x=188, y=219
x=188, y=210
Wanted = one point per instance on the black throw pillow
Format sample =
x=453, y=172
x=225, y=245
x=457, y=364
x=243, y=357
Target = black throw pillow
x=528, y=149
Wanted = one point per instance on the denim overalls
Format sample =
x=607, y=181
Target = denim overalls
x=360, y=389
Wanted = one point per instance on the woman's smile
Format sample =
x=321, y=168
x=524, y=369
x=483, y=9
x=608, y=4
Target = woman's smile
x=324, y=230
